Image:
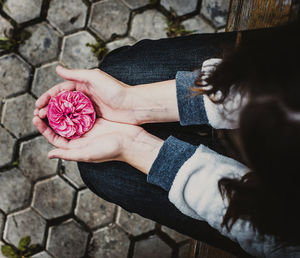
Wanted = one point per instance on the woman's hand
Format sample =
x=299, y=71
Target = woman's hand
x=115, y=100
x=106, y=141
x=109, y=95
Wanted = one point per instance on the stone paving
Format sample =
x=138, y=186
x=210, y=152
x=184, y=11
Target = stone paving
x=47, y=199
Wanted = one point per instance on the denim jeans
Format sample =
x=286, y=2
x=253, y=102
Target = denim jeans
x=117, y=182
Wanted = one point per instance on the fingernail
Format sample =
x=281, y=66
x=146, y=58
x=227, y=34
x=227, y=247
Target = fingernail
x=36, y=112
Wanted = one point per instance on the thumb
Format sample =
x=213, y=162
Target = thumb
x=80, y=75
x=66, y=154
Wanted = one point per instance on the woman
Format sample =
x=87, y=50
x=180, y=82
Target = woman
x=248, y=190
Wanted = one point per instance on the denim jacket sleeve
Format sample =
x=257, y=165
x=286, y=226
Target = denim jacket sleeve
x=190, y=175
x=197, y=110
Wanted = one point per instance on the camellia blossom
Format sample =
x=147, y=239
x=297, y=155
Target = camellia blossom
x=71, y=114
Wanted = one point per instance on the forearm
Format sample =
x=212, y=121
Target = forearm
x=155, y=102
x=142, y=151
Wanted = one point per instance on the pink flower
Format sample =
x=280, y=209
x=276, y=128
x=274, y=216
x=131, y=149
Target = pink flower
x=71, y=114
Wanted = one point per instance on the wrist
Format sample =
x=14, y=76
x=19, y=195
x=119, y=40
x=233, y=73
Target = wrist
x=141, y=151
x=154, y=102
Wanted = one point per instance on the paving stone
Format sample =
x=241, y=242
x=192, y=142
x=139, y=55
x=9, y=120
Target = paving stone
x=198, y=24
x=25, y=10
x=4, y=26
x=152, y=247
x=75, y=52
x=109, y=17
x=67, y=15
x=133, y=4
x=93, y=210
x=216, y=11
x=53, y=197
x=181, y=7
x=45, y=77
x=120, y=43
x=6, y=147
x=24, y=223
x=17, y=115
x=184, y=251
x=1, y=223
x=133, y=223
x=42, y=46
x=34, y=161
x=15, y=190
x=150, y=24
x=178, y=237
x=71, y=173
x=109, y=242
x=43, y=254
x=14, y=75
x=67, y=240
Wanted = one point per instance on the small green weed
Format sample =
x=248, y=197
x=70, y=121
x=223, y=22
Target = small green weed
x=98, y=49
x=4, y=6
x=174, y=28
x=153, y=1
x=13, y=38
x=24, y=250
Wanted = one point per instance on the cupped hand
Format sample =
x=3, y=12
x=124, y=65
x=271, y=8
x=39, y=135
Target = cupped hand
x=109, y=95
x=104, y=142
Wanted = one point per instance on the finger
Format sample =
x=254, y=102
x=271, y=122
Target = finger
x=43, y=112
x=51, y=136
x=79, y=75
x=63, y=86
x=36, y=112
x=70, y=154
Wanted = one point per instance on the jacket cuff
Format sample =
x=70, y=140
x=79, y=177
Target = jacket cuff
x=191, y=108
x=170, y=158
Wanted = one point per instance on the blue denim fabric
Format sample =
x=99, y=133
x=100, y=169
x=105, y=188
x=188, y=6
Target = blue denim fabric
x=191, y=108
x=150, y=61
x=181, y=151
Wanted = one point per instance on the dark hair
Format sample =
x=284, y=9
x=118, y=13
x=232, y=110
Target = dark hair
x=266, y=66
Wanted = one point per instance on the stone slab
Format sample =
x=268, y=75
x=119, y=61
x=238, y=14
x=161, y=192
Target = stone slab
x=181, y=7
x=1, y=223
x=120, y=43
x=216, y=11
x=14, y=75
x=42, y=46
x=93, y=210
x=176, y=236
x=67, y=240
x=24, y=223
x=23, y=11
x=150, y=24
x=109, y=17
x=34, y=160
x=152, y=247
x=15, y=190
x=133, y=223
x=6, y=147
x=17, y=115
x=71, y=173
x=76, y=54
x=43, y=254
x=134, y=4
x=198, y=25
x=4, y=26
x=45, y=77
x=53, y=197
x=67, y=15
x=109, y=242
